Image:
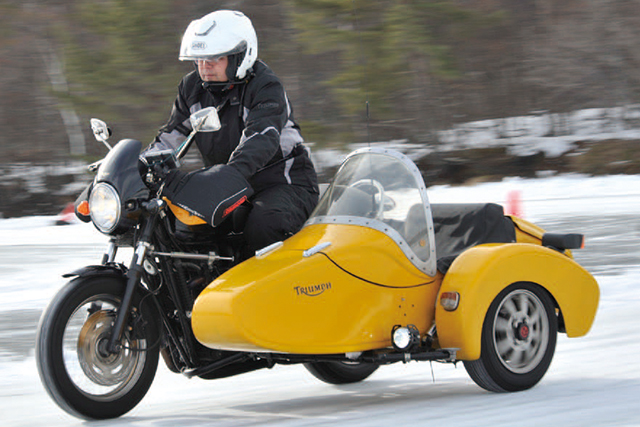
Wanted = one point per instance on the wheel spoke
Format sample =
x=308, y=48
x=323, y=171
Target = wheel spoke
x=504, y=347
x=524, y=304
x=510, y=307
x=95, y=306
x=502, y=325
x=535, y=333
x=535, y=328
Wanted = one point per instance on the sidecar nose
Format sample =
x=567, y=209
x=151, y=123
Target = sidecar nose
x=296, y=300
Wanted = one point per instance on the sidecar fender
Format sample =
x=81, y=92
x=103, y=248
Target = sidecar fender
x=479, y=274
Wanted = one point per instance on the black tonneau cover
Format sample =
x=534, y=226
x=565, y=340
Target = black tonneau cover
x=461, y=226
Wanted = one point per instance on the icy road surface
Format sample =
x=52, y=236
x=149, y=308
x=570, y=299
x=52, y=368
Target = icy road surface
x=593, y=381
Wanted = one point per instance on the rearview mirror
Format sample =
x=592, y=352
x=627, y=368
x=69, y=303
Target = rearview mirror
x=205, y=120
x=101, y=131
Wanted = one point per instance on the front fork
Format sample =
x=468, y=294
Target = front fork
x=110, y=254
x=154, y=208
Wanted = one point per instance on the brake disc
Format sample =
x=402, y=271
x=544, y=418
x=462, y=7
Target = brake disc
x=100, y=366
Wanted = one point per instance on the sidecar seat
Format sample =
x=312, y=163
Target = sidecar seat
x=459, y=227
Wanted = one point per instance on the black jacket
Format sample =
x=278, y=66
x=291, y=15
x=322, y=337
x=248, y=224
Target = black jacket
x=258, y=138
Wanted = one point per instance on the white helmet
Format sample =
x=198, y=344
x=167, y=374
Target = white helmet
x=221, y=33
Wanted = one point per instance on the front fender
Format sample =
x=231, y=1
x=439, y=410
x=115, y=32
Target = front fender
x=481, y=273
x=117, y=270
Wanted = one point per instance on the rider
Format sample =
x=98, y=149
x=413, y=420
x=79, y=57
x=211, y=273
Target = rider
x=258, y=153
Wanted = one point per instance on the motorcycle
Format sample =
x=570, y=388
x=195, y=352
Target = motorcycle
x=376, y=276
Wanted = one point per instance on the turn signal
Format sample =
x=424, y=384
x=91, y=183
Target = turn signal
x=449, y=300
x=83, y=208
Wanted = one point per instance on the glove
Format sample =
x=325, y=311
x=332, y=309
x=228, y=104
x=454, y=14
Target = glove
x=212, y=193
x=174, y=181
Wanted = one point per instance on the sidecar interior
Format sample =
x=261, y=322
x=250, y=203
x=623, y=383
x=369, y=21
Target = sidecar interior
x=352, y=201
x=459, y=227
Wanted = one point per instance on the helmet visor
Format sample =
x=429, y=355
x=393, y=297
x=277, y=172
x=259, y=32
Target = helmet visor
x=209, y=61
x=198, y=50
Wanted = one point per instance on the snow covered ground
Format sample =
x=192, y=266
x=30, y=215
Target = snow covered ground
x=593, y=381
x=550, y=133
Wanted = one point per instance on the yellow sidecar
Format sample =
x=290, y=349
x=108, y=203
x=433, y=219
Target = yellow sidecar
x=379, y=275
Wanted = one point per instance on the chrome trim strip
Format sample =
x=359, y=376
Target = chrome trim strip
x=317, y=248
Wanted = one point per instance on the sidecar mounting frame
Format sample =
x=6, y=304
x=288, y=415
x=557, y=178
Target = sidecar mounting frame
x=441, y=355
x=203, y=370
x=383, y=357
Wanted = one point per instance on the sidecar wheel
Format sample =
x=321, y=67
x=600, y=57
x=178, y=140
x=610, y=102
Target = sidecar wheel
x=518, y=340
x=77, y=372
x=341, y=372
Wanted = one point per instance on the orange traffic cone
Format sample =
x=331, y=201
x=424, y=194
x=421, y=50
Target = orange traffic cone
x=67, y=216
x=514, y=204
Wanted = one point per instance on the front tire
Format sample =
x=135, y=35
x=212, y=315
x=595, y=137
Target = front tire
x=341, y=372
x=77, y=372
x=518, y=340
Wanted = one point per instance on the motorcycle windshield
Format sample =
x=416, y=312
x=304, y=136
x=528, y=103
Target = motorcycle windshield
x=120, y=169
x=384, y=190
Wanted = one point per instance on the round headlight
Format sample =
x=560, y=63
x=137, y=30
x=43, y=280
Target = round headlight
x=104, y=206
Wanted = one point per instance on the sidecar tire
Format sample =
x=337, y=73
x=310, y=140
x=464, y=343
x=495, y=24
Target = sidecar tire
x=341, y=372
x=129, y=382
x=496, y=370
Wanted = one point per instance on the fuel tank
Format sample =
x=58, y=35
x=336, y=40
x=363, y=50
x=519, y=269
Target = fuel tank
x=331, y=288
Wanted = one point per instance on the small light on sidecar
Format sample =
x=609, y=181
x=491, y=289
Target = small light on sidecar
x=401, y=338
x=449, y=300
x=404, y=338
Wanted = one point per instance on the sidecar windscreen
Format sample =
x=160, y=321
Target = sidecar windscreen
x=384, y=190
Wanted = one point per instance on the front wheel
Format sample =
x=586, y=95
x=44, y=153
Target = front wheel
x=76, y=370
x=341, y=372
x=518, y=340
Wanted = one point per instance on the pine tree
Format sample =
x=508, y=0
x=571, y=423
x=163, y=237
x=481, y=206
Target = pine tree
x=393, y=52
x=121, y=62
